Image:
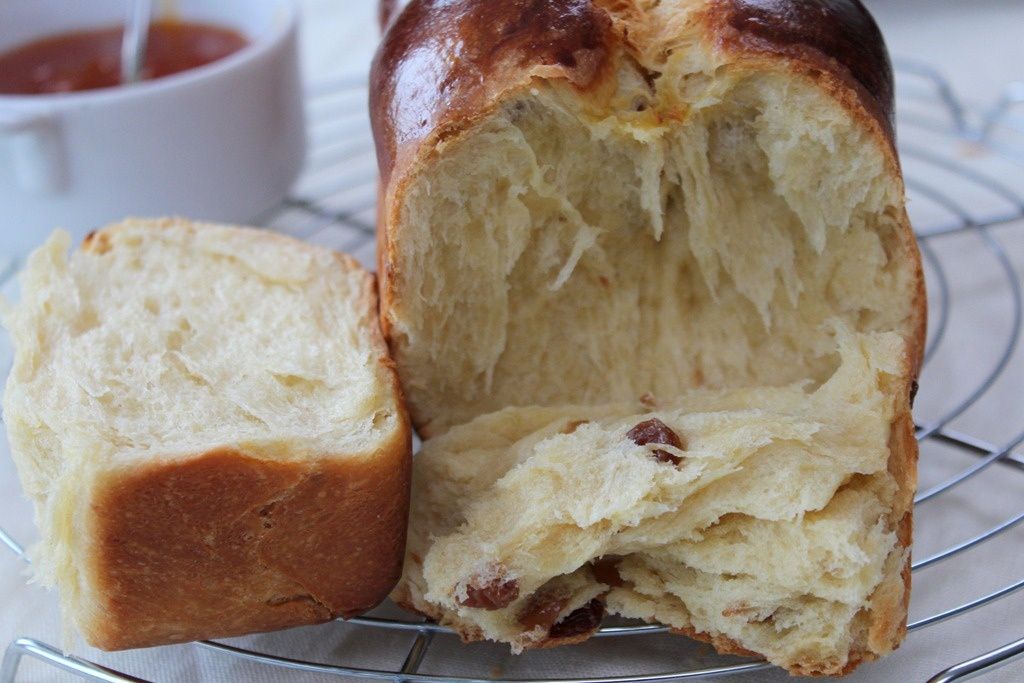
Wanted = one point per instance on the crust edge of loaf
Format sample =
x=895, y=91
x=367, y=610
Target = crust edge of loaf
x=301, y=548
x=468, y=634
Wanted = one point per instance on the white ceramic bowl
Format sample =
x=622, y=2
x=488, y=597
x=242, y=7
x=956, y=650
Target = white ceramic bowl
x=221, y=142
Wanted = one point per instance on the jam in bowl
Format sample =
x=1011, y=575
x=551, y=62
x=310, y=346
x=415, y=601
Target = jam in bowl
x=90, y=59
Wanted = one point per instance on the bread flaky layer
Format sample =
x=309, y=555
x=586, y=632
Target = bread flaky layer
x=208, y=424
x=773, y=525
x=170, y=336
x=697, y=229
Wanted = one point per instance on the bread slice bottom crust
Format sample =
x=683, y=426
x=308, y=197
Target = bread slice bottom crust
x=222, y=544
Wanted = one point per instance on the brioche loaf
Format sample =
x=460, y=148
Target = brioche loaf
x=586, y=201
x=210, y=429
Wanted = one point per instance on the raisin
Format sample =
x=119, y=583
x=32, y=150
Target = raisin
x=580, y=621
x=913, y=392
x=665, y=456
x=495, y=594
x=606, y=570
x=542, y=610
x=656, y=431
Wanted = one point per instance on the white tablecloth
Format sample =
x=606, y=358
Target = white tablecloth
x=980, y=46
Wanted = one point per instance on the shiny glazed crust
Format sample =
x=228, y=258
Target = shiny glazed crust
x=443, y=66
x=464, y=54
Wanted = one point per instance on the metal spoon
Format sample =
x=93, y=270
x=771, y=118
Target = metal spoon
x=133, y=42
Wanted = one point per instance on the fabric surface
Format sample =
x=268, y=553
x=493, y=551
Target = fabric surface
x=978, y=46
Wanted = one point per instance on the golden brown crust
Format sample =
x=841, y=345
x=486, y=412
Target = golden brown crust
x=728, y=646
x=224, y=543
x=839, y=38
x=891, y=600
x=470, y=634
x=442, y=63
x=722, y=645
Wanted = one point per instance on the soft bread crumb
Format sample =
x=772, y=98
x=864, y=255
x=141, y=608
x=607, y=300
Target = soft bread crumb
x=705, y=249
x=772, y=531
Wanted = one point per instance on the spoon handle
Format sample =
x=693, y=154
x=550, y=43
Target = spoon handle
x=133, y=42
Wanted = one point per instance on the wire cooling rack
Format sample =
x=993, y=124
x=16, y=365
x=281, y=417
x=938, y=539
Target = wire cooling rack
x=965, y=177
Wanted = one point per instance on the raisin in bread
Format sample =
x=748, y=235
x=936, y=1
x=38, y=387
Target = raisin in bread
x=761, y=519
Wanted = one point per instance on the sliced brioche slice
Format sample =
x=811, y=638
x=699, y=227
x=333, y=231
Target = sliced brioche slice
x=210, y=429
x=762, y=518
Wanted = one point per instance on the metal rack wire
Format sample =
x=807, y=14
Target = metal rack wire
x=965, y=177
